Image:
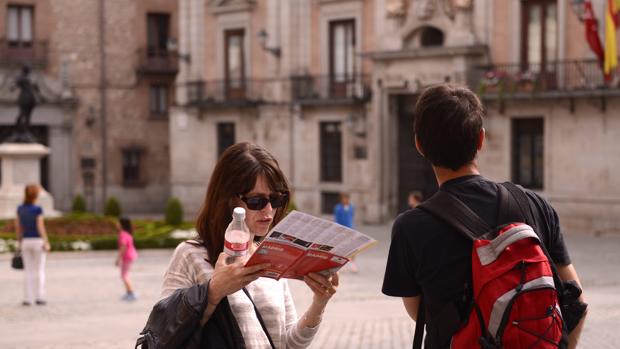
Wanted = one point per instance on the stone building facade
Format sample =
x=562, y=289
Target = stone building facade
x=106, y=70
x=287, y=75
x=329, y=86
x=550, y=124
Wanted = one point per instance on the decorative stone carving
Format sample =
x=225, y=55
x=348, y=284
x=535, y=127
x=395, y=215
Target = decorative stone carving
x=396, y=8
x=223, y=6
x=462, y=4
x=424, y=9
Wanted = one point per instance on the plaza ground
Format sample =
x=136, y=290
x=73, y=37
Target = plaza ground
x=85, y=310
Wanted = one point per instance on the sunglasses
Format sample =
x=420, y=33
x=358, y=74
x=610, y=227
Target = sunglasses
x=257, y=203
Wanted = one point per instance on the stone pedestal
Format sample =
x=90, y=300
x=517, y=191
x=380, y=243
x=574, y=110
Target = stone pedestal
x=20, y=167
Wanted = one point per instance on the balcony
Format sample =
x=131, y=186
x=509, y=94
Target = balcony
x=330, y=89
x=16, y=54
x=227, y=93
x=157, y=62
x=574, y=78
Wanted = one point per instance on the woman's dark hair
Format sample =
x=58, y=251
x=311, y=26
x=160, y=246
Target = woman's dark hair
x=30, y=194
x=126, y=224
x=236, y=173
x=447, y=125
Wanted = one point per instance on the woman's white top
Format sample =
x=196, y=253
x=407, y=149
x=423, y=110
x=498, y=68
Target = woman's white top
x=273, y=299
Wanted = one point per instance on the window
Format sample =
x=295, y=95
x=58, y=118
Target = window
x=342, y=49
x=158, y=34
x=528, y=152
x=20, y=26
x=331, y=152
x=341, y=55
x=234, y=61
x=539, y=29
x=158, y=100
x=132, y=160
x=329, y=201
x=225, y=136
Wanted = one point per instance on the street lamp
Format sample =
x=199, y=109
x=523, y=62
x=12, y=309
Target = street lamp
x=579, y=8
x=262, y=38
x=173, y=47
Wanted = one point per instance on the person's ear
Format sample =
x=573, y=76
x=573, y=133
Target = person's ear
x=481, y=137
x=418, y=147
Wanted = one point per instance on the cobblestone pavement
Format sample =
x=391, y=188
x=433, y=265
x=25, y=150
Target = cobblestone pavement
x=85, y=310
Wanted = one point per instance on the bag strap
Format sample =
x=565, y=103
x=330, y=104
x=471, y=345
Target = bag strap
x=524, y=205
x=459, y=216
x=260, y=318
x=453, y=211
x=419, y=325
x=523, y=202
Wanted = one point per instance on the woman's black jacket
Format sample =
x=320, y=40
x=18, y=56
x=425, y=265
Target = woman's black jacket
x=174, y=322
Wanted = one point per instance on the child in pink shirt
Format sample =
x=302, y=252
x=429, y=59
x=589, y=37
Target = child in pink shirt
x=126, y=255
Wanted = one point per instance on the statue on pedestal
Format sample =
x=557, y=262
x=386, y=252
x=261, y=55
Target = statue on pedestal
x=27, y=100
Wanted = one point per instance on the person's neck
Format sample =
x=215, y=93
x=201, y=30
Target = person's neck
x=444, y=174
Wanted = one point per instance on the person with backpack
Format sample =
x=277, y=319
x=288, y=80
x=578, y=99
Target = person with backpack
x=481, y=264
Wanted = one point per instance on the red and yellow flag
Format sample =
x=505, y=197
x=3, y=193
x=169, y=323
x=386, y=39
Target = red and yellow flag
x=612, y=19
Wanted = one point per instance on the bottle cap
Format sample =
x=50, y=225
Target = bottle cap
x=239, y=213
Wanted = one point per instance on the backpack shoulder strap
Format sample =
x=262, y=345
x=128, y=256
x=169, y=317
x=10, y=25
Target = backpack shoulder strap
x=522, y=201
x=453, y=211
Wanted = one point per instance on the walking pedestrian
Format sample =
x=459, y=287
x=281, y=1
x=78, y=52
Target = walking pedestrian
x=344, y=214
x=127, y=254
x=33, y=243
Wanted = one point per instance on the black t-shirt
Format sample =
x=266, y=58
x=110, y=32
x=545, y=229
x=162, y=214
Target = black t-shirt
x=429, y=257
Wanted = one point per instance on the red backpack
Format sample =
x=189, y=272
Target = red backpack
x=514, y=301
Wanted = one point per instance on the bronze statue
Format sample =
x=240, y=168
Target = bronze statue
x=27, y=100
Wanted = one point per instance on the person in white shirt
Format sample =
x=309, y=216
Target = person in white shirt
x=247, y=176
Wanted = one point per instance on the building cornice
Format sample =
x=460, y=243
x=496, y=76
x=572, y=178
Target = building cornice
x=220, y=7
x=427, y=52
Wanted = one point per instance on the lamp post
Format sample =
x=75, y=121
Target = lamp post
x=262, y=38
x=579, y=8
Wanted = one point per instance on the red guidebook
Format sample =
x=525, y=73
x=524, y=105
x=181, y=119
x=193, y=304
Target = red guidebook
x=301, y=244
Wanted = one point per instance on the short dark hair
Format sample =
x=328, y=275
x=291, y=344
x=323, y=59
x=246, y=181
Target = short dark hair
x=447, y=123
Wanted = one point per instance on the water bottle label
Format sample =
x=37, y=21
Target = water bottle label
x=236, y=249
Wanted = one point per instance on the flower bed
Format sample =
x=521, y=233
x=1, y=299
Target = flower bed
x=77, y=232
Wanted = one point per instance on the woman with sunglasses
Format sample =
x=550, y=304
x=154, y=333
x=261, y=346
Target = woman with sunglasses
x=248, y=176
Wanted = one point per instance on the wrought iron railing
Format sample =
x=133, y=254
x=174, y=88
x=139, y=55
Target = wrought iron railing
x=152, y=61
x=34, y=53
x=560, y=76
x=226, y=92
x=331, y=88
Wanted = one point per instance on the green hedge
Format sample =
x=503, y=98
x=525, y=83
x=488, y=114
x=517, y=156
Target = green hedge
x=174, y=212
x=112, y=207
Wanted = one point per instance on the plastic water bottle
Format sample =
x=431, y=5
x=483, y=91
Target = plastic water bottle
x=237, y=237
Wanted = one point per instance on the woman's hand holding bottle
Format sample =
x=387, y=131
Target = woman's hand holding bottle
x=230, y=278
